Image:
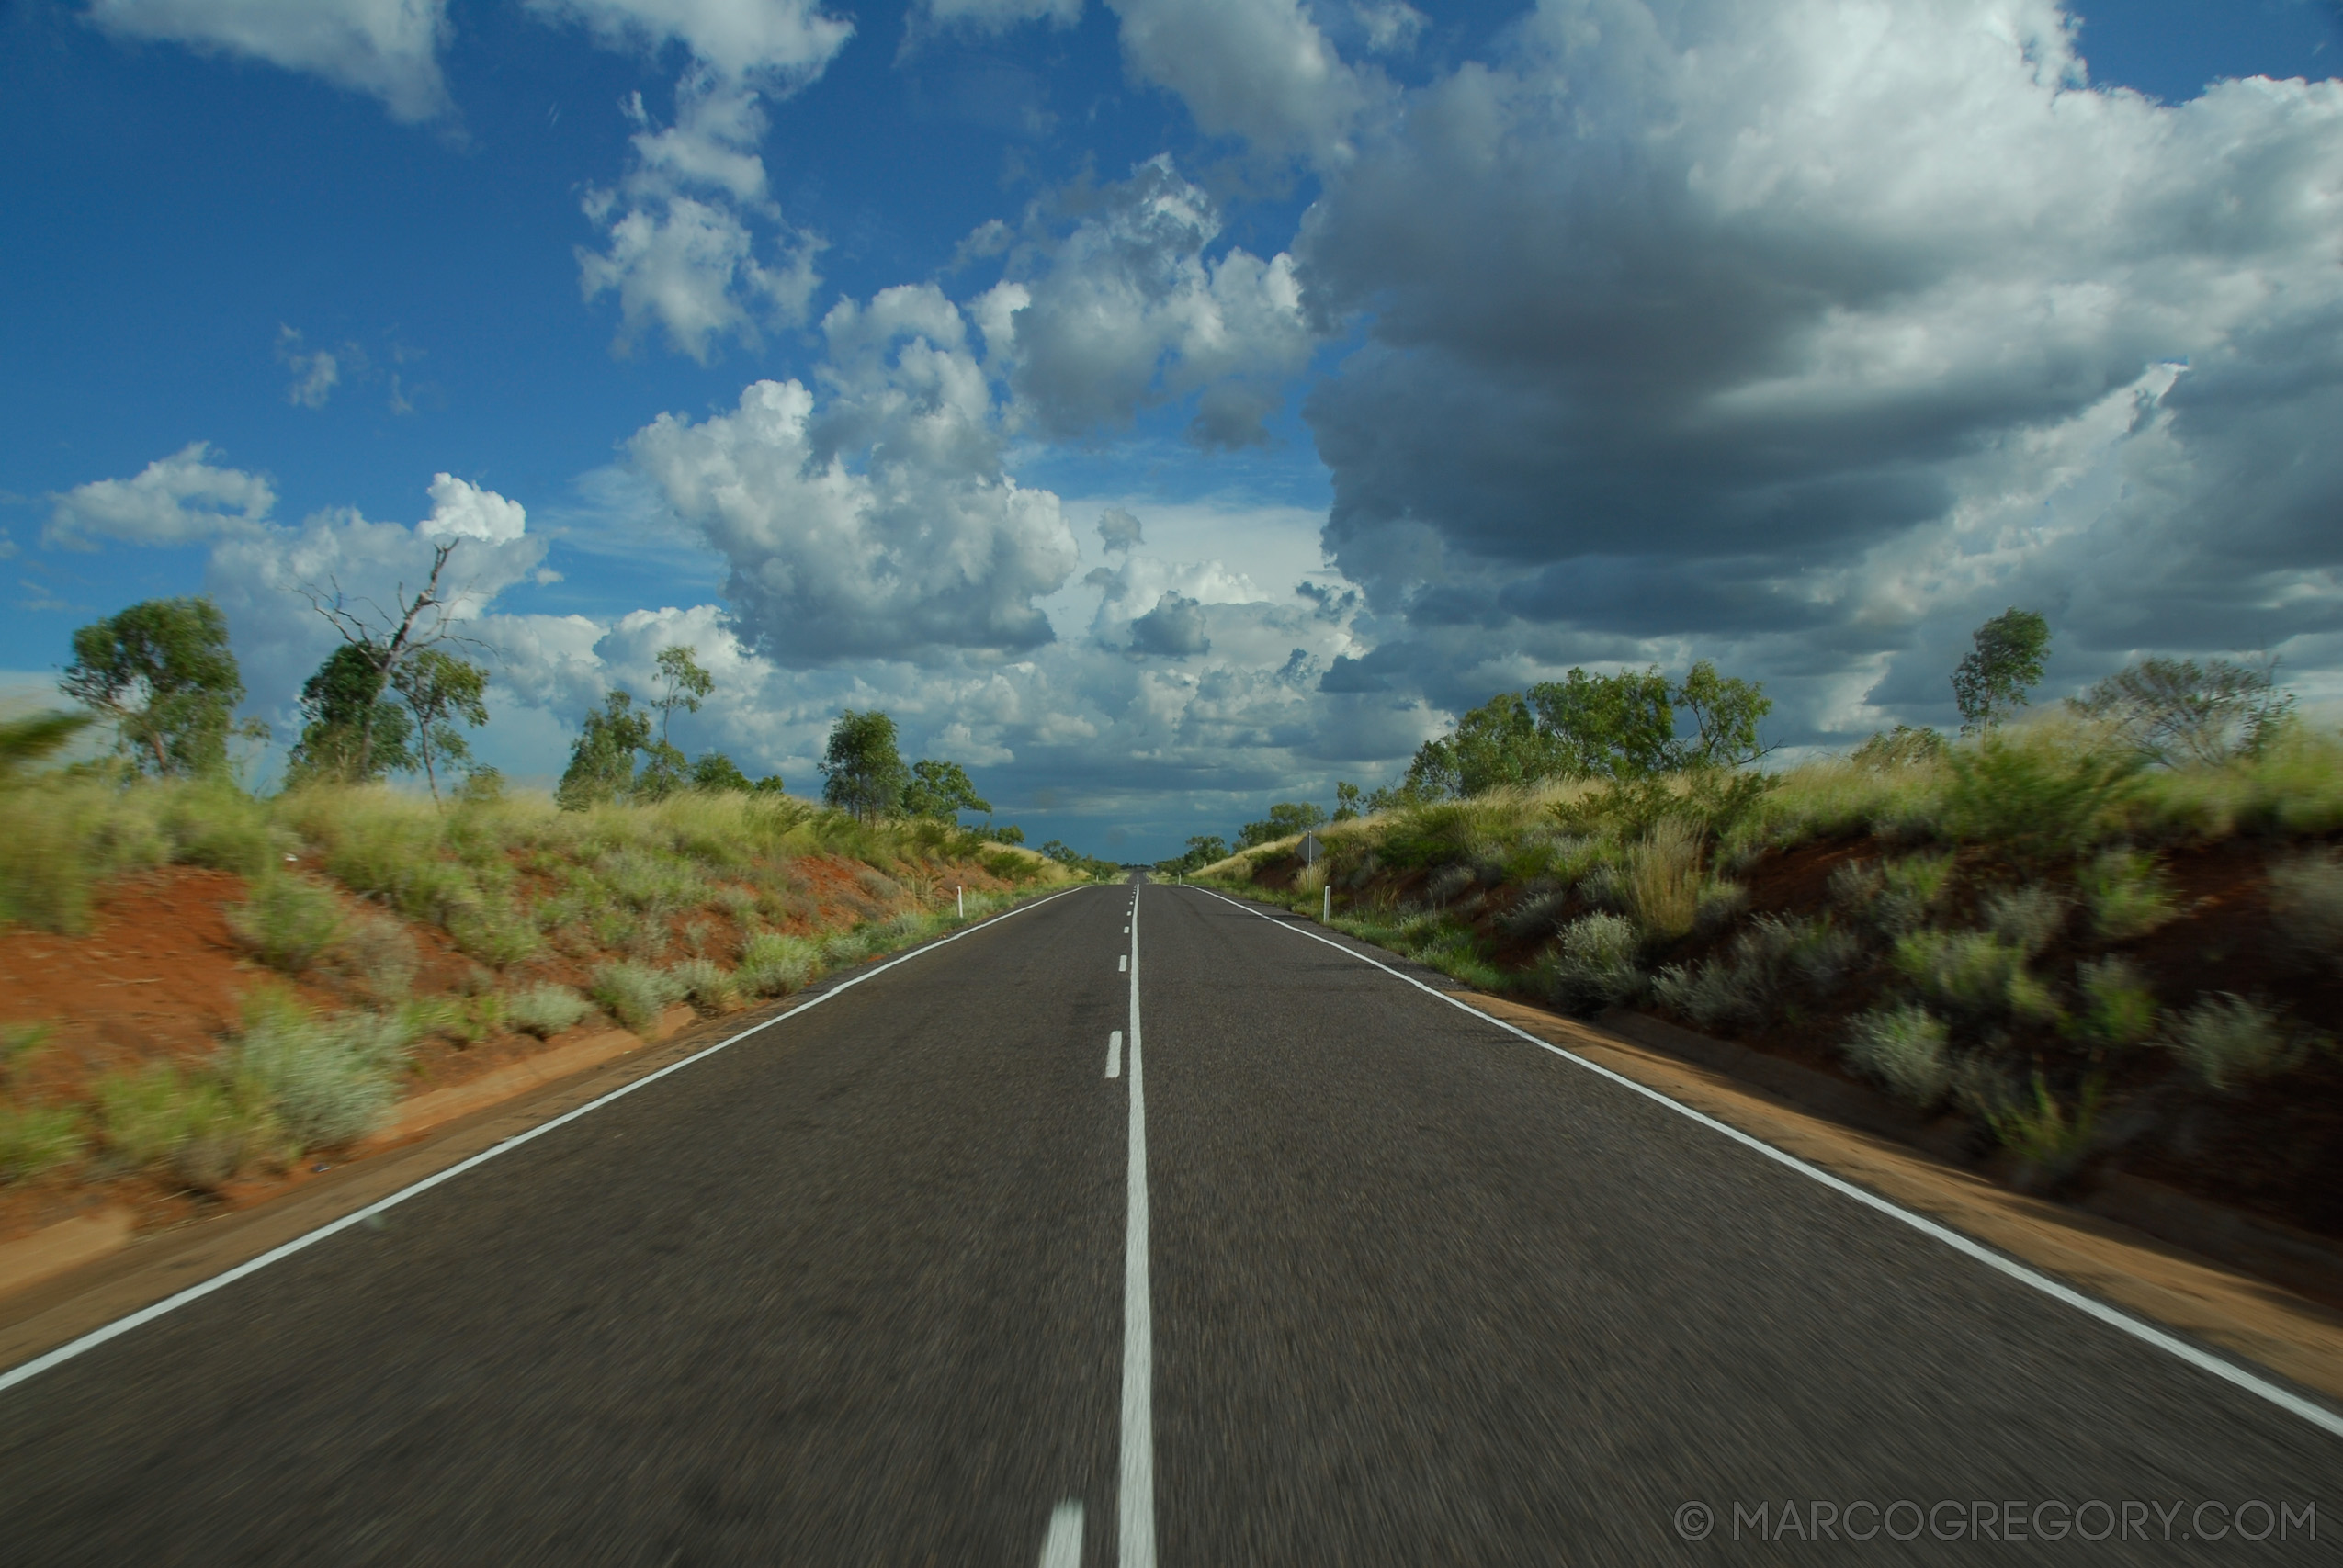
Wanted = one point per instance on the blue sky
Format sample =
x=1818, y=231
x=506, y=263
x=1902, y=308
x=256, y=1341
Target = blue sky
x=1429, y=352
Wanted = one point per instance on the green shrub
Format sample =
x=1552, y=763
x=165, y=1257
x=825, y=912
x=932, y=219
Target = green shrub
x=1709, y=994
x=62, y=837
x=2306, y=905
x=709, y=986
x=1904, y=1048
x=635, y=994
x=1535, y=913
x=2118, y=1007
x=1970, y=970
x=1662, y=882
x=1593, y=965
x=1854, y=884
x=1719, y=904
x=419, y=1016
x=214, y=823
x=326, y=1081
x=544, y=1009
x=2041, y=1133
x=2028, y=919
x=383, y=954
x=2127, y=894
x=189, y=1125
x=775, y=966
x=2034, y=796
x=494, y=932
x=2229, y=1042
x=1910, y=890
x=475, y=1019
x=37, y=1138
x=289, y=922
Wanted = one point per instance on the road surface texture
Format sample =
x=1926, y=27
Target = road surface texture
x=877, y=1286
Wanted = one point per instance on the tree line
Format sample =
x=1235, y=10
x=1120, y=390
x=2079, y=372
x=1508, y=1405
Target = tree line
x=397, y=693
x=1638, y=725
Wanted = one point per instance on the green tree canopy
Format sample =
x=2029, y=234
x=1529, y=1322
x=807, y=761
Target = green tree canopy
x=940, y=789
x=24, y=741
x=682, y=684
x=861, y=769
x=1629, y=725
x=1286, y=819
x=2004, y=663
x=1203, y=850
x=717, y=773
x=351, y=733
x=2176, y=712
x=162, y=671
x=440, y=690
x=602, y=763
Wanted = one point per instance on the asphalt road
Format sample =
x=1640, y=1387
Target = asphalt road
x=863, y=1290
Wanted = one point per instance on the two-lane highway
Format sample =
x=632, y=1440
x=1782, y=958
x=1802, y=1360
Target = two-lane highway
x=1132, y=1226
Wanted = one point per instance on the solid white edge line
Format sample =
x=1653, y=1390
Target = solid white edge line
x=1135, y=1507
x=28, y=1371
x=2203, y=1361
x=1115, y=1055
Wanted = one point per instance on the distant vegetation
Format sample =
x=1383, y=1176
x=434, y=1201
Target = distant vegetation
x=2110, y=935
x=649, y=881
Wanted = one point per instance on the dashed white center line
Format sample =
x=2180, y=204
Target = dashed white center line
x=1136, y=1505
x=1115, y=1055
x=1122, y=964
x=1062, y=1547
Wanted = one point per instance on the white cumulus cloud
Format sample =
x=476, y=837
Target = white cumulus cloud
x=387, y=49
x=680, y=232
x=790, y=42
x=1261, y=69
x=877, y=520
x=1809, y=335
x=175, y=500
x=1124, y=308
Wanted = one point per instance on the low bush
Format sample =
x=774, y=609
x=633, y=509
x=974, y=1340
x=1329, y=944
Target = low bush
x=35, y=1139
x=1593, y=965
x=289, y=922
x=1661, y=886
x=478, y=1018
x=189, y=1126
x=1976, y=971
x=2118, y=1007
x=383, y=954
x=2032, y=797
x=493, y=932
x=707, y=984
x=2306, y=905
x=1905, y=1048
x=1910, y=890
x=2229, y=1042
x=635, y=994
x=777, y=965
x=2049, y=1142
x=2127, y=894
x=2028, y=919
x=1709, y=994
x=325, y=1080
x=544, y=1009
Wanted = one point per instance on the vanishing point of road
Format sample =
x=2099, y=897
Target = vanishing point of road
x=1140, y=1226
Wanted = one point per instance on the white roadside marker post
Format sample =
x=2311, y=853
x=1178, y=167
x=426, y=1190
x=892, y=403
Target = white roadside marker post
x=961, y=893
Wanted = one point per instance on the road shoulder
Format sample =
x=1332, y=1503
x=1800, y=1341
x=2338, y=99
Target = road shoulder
x=2250, y=1318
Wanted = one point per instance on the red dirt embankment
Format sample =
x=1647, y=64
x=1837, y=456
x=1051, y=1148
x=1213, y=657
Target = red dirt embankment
x=160, y=978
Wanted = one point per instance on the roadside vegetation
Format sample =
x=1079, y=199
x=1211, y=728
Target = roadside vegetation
x=380, y=940
x=2110, y=937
